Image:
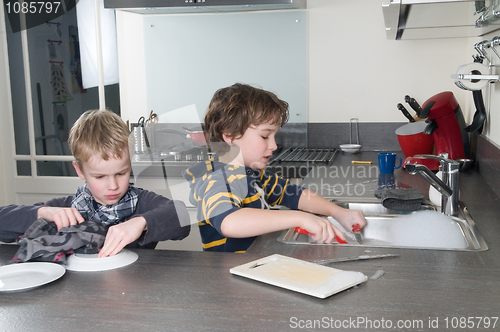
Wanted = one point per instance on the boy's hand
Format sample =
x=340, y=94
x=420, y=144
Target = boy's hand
x=120, y=235
x=62, y=217
x=348, y=218
x=321, y=229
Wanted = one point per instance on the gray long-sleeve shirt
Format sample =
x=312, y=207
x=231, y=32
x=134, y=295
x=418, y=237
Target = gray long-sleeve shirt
x=166, y=219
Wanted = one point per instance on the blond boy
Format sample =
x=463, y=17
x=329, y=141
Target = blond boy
x=99, y=141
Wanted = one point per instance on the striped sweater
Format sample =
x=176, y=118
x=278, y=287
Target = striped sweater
x=219, y=189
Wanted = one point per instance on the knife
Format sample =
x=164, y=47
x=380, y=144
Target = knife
x=414, y=104
x=405, y=112
x=357, y=233
x=357, y=258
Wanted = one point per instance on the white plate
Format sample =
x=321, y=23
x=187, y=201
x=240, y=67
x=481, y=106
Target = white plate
x=298, y=275
x=91, y=263
x=350, y=148
x=24, y=276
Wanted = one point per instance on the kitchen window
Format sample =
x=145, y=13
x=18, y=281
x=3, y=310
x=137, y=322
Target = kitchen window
x=47, y=93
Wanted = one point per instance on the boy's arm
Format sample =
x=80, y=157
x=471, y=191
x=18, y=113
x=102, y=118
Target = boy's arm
x=59, y=210
x=157, y=218
x=61, y=216
x=224, y=210
x=120, y=235
x=314, y=203
x=247, y=222
x=16, y=219
x=165, y=219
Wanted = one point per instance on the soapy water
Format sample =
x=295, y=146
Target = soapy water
x=425, y=229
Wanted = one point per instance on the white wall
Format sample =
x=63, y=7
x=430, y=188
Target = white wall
x=353, y=70
x=131, y=65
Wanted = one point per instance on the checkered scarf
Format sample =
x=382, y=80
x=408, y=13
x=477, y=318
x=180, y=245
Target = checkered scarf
x=85, y=203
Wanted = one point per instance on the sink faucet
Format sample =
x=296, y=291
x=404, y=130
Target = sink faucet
x=448, y=187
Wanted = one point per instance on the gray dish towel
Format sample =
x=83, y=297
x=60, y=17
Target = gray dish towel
x=401, y=199
x=42, y=242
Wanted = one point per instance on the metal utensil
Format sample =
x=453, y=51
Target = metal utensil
x=357, y=258
x=152, y=120
x=465, y=164
x=353, y=131
x=353, y=122
x=479, y=116
x=356, y=229
x=141, y=143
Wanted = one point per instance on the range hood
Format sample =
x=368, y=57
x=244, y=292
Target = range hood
x=425, y=19
x=201, y=6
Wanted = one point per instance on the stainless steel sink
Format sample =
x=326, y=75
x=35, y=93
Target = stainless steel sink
x=424, y=229
x=377, y=209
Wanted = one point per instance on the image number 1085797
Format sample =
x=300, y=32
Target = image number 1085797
x=26, y=14
x=33, y=7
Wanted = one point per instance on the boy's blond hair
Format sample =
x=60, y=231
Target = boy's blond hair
x=234, y=109
x=98, y=132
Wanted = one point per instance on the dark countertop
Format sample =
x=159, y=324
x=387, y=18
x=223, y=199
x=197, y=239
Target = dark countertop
x=194, y=291
x=420, y=283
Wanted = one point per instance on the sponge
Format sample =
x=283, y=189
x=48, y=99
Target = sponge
x=401, y=199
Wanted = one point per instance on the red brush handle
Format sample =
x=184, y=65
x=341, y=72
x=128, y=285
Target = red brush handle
x=303, y=231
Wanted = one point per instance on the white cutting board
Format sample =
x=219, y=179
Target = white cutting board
x=298, y=275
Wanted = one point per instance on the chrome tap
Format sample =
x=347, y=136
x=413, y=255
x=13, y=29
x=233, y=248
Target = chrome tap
x=448, y=187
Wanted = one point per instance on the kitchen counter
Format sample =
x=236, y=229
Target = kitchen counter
x=164, y=290
x=420, y=284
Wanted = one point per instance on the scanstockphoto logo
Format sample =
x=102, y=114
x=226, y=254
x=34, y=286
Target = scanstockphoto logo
x=28, y=14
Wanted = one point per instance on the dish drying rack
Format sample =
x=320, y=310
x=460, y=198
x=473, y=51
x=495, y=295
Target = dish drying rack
x=315, y=155
x=482, y=55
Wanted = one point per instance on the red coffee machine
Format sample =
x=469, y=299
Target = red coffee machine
x=443, y=116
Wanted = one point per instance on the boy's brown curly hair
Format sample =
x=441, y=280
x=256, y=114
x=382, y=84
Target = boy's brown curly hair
x=234, y=109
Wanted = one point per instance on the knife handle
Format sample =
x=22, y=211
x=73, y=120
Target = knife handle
x=413, y=104
x=405, y=112
x=356, y=228
x=302, y=231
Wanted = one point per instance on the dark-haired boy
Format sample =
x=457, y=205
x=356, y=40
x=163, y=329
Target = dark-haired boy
x=233, y=192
